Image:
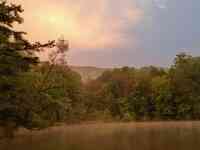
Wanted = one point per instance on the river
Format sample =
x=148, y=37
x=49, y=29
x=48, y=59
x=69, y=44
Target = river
x=111, y=136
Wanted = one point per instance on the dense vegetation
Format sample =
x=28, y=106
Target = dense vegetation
x=150, y=93
x=36, y=95
x=25, y=99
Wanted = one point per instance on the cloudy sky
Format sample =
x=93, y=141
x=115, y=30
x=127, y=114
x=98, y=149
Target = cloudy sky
x=107, y=33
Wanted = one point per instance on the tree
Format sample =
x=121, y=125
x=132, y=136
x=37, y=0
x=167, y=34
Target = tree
x=165, y=105
x=60, y=96
x=16, y=58
x=185, y=82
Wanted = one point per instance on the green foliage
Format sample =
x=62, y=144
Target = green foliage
x=151, y=93
x=56, y=101
x=12, y=61
x=18, y=99
x=185, y=81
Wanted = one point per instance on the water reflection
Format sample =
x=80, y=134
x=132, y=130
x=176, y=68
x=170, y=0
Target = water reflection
x=116, y=136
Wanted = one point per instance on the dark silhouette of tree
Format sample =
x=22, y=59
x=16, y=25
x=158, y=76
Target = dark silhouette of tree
x=16, y=58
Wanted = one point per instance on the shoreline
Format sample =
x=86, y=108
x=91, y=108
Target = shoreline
x=100, y=124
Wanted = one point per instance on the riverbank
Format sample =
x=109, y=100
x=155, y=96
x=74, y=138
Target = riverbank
x=99, y=124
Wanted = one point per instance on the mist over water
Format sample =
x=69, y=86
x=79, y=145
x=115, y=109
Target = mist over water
x=119, y=136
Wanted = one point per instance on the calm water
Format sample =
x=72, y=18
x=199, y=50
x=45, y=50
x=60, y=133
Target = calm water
x=130, y=136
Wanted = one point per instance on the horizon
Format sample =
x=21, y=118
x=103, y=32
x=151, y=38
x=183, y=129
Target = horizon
x=118, y=33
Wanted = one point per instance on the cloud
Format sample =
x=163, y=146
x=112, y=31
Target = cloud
x=87, y=24
x=160, y=4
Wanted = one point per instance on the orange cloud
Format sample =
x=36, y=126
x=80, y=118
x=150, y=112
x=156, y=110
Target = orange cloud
x=85, y=23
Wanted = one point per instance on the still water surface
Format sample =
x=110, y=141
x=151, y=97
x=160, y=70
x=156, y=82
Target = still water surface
x=113, y=136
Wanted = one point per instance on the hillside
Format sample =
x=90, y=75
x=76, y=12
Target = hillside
x=88, y=73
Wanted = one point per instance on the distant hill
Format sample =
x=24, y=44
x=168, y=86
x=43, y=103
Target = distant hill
x=88, y=73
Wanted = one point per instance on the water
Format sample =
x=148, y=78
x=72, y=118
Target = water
x=114, y=136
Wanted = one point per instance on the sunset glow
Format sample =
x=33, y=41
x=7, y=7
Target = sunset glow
x=137, y=30
x=84, y=24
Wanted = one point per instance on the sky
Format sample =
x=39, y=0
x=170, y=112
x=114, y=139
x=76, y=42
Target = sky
x=111, y=33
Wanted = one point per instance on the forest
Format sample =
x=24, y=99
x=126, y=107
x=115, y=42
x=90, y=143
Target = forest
x=36, y=94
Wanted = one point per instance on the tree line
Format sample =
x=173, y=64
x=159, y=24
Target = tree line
x=150, y=93
x=35, y=95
